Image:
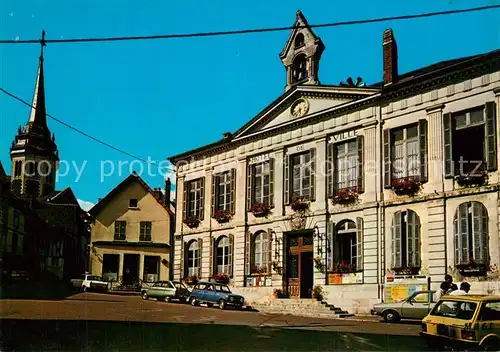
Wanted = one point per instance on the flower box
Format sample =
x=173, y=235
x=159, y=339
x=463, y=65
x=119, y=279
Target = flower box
x=343, y=267
x=345, y=196
x=408, y=186
x=259, y=270
x=222, y=278
x=300, y=204
x=473, y=178
x=192, y=222
x=223, y=216
x=472, y=268
x=406, y=271
x=260, y=209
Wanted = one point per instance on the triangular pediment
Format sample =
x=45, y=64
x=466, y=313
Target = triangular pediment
x=299, y=103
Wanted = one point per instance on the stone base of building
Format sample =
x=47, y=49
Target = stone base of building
x=355, y=298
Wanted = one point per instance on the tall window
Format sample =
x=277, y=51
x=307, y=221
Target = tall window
x=405, y=152
x=223, y=255
x=195, y=198
x=345, y=245
x=470, y=226
x=224, y=191
x=261, y=182
x=405, y=240
x=261, y=250
x=145, y=234
x=193, y=258
x=299, y=68
x=301, y=175
x=347, y=164
x=120, y=227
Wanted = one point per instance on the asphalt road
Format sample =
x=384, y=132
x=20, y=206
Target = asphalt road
x=102, y=322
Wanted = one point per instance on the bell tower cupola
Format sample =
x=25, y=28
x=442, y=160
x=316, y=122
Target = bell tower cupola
x=34, y=153
x=301, y=54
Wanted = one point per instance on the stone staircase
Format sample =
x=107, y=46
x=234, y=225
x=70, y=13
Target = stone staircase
x=302, y=307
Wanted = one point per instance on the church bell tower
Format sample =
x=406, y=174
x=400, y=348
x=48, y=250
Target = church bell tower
x=302, y=54
x=34, y=153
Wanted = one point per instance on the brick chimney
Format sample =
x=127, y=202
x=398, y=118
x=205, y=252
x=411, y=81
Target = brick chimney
x=168, y=187
x=390, y=57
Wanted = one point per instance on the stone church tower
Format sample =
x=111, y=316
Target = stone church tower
x=34, y=153
x=301, y=54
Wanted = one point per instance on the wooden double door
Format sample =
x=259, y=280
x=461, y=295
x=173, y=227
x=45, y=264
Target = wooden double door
x=299, y=264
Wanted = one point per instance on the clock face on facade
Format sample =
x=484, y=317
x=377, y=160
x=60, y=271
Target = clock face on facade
x=299, y=108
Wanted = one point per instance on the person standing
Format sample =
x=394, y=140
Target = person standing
x=464, y=289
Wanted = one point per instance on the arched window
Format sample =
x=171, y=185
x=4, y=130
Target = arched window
x=345, y=244
x=405, y=240
x=193, y=258
x=223, y=255
x=470, y=226
x=299, y=40
x=261, y=252
x=299, y=68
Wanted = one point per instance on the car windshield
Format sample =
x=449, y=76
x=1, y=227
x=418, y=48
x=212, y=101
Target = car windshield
x=222, y=288
x=455, y=309
x=94, y=278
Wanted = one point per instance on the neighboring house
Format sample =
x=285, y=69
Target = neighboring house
x=56, y=230
x=360, y=181
x=131, y=233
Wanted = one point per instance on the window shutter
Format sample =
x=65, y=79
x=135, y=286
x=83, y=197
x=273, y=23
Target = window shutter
x=212, y=257
x=185, y=200
x=462, y=234
x=361, y=169
x=214, y=193
x=330, y=170
x=480, y=233
x=359, y=243
x=231, y=254
x=183, y=249
x=387, y=159
x=330, y=246
x=271, y=182
x=448, y=157
x=413, y=239
x=202, y=198
x=396, y=240
x=312, y=152
x=286, y=180
x=250, y=177
x=269, y=250
x=422, y=134
x=491, y=136
x=232, y=196
x=200, y=256
x=248, y=251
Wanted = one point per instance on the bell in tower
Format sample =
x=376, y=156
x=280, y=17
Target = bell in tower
x=301, y=54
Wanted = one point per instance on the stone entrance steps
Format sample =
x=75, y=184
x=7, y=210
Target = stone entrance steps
x=302, y=307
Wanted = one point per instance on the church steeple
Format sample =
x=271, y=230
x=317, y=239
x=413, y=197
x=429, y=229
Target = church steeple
x=301, y=54
x=34, y=153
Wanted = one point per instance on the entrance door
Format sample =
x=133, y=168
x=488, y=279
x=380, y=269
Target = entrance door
x=299, y=270
x=130, y=269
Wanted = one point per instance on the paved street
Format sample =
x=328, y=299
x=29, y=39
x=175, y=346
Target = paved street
x=114, y=322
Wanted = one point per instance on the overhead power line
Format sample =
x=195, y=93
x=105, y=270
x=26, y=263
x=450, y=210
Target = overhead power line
x=257, y=30
x=86, y=134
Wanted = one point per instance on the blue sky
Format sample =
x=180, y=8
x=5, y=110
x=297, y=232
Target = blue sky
x=158, y=98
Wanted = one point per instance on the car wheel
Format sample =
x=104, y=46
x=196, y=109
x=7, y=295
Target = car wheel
x=144, y=295
x=491, y=345
x=391, y=316
x=193, y=301
x=222, y=304
x=168, y=299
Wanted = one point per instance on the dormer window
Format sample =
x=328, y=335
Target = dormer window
x=132, y=203
x=299, y=40
x=299, y=68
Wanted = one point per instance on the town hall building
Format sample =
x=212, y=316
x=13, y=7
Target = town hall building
x=346, y=186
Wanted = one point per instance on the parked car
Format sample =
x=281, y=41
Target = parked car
x=416, y=306
x=215, y=293
x=89, y=282
x=166, y=291
x=464, y=322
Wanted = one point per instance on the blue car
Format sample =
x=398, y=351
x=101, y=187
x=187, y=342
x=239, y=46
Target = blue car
x=215, y=293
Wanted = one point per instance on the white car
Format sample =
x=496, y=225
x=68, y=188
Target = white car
x=89, y=282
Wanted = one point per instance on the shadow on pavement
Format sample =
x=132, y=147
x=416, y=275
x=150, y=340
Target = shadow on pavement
x=35, y=290
x=52, y=335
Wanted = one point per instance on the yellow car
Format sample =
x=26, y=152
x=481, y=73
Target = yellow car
x=464, y=322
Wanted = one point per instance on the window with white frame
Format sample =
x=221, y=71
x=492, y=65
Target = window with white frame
x=347, y=164
x=470, y=226
x=405, y=240
x=405, y=152
x=261, y=183
x=223, y=254
x=193, y=258
x=224, y=191
x=261, y=251
x=301, y=175
x=195, y=198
